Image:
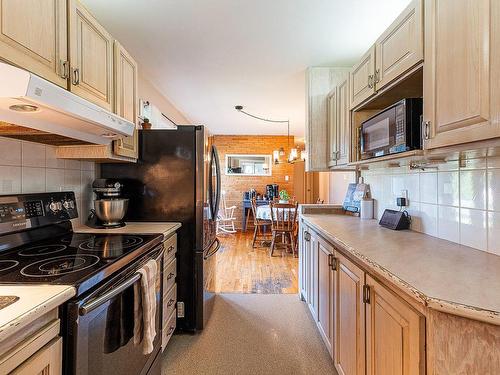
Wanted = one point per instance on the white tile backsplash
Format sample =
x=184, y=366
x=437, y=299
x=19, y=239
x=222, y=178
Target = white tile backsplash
x=34, y=155
x=457, y=201
x=33, y=180
x=27, y=167
x=10, y=152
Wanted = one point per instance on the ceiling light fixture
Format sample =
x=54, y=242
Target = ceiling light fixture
x=23, y=108
x=293, y=156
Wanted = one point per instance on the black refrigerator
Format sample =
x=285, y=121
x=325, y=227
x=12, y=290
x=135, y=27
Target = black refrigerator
x=177, y=179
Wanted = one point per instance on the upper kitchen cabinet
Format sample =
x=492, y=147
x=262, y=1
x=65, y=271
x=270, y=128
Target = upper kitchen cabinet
x=319, y=84
x=362, y=78
x=344, y=123
x=461, y=72
x=332, y=124
x=401, y=46
x=126, y=99
x=91, y=56
x=33, y=35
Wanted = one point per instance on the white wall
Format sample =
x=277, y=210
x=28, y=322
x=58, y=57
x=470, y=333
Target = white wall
x=147, y=91
x=27, y=167
x=453, y=202
x=339, y=182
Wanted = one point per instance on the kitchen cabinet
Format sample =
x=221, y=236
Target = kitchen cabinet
x=362, y=78
x=394, y=334
x=349, y=318
x=304, y=263
x=401, y=46
x=126, y=99
x=47, y=361
x=344, y=123
x=33, y=35
x=320, y=81
x=91, y=57
x=313, y=275
x=333, y=121
x=325, y=273
x=461, y=72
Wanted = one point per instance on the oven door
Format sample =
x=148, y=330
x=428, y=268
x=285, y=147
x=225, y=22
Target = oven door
x=378, y=134
x=100, y=328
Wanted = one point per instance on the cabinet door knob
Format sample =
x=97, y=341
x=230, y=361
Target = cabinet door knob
x=427, y=125
x=366, y=293
x=64, y=69
x=76, y=76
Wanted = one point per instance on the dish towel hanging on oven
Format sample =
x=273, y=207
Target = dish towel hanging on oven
x=145, y=307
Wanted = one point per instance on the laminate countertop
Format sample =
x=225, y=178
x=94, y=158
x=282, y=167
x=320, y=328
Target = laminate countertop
x=33, y=302
x=442, y=275
x=135, y=228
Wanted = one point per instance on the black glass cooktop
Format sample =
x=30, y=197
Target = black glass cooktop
x=77, y=259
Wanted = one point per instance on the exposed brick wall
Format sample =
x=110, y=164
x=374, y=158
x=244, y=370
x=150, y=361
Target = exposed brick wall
x=235, y=186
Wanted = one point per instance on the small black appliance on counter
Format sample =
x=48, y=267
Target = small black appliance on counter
x=109, y=207
x=396, y=220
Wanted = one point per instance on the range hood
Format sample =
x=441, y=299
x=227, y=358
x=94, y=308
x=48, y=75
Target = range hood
x=27, y=100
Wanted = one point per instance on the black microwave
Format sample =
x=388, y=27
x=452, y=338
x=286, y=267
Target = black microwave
x=393, y=130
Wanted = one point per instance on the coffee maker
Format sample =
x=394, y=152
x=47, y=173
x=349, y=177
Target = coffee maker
x=109, y=206
x=272, y=191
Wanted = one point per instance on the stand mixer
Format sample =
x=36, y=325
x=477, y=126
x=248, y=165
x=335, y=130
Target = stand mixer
x=109, y=208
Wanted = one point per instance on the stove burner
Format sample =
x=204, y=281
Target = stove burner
x=60, y=265
x=7, y=264
x=111, y=243
x=41, y=250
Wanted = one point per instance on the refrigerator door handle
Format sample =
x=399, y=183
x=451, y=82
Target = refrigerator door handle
x=215, y=158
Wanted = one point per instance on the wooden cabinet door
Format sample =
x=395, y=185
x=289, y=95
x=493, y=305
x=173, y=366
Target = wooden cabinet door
x=126, y=99
x=361, y=78
x=47, y=361
x=394, y=334
x=332, y=116
x=344, y=123
x=349, y=318
x=91, y=57
x=304, y=268
x=460, y=52
x=401, y=46
x=33, y=35
x=313, y=271
x=325, y=293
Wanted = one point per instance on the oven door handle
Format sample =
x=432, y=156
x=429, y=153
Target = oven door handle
x=95, y=303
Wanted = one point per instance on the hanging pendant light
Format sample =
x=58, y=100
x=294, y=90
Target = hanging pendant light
x=277, y=154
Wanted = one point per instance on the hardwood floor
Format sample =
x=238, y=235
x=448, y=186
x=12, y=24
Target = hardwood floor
x=243, y=269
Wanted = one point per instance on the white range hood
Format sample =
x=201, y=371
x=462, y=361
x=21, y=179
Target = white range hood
x=33, y=102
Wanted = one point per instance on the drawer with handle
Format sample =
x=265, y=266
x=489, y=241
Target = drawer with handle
x=170, y=246
x=168, y=330
x=169, y=300
x=169, y=274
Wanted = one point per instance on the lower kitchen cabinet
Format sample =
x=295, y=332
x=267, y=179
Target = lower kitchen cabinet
x=47, y=361
x=394, y=334
x=326, y=276
x=349, y=318
x=366, y=327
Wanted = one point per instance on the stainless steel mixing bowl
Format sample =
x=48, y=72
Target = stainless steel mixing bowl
x=110, y=211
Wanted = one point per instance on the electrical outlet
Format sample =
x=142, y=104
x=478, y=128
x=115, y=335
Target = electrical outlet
x=180, y=309
x=401, y=202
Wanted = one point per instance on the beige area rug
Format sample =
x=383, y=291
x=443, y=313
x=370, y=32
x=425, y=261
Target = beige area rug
x=252, y=334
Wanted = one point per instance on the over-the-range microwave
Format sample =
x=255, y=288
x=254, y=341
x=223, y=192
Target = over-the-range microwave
x=395, y=129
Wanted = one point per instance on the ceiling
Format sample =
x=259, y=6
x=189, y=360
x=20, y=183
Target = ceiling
x=207, y=56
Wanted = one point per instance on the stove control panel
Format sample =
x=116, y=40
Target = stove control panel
x=19, y=212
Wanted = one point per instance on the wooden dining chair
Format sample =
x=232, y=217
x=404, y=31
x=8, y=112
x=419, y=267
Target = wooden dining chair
x=284, y=223
x=259, y=224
